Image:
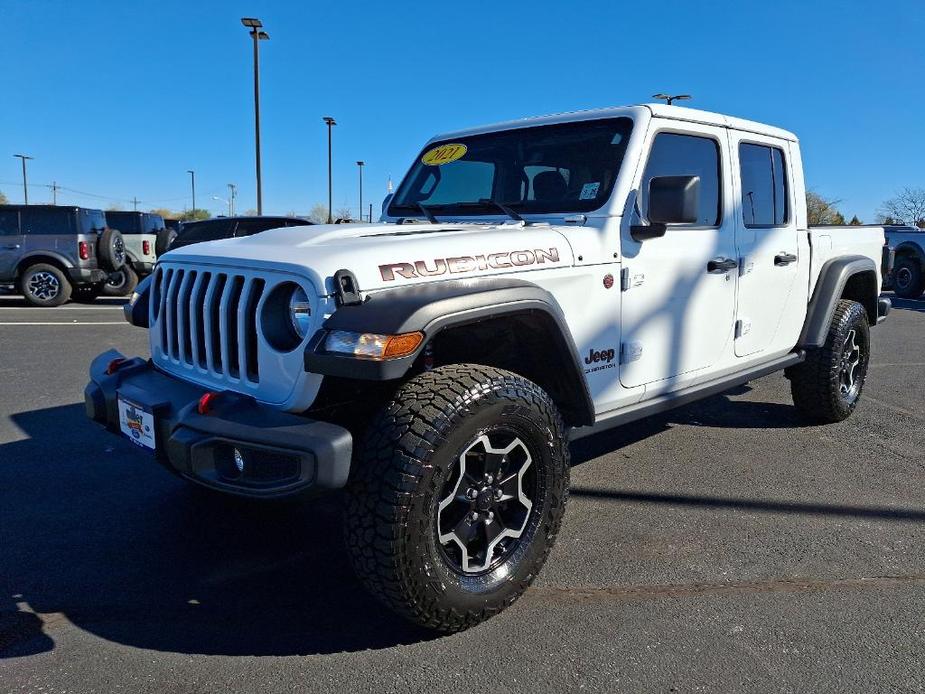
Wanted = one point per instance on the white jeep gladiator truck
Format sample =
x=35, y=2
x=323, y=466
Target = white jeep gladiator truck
x=529, y=282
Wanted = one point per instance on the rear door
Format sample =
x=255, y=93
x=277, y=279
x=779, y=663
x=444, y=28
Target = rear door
x=679, y=297
x=11, y=242
x=766, y=239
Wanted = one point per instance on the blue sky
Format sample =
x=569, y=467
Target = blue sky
x=119, y=99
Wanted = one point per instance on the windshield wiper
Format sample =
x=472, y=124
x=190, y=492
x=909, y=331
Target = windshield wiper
x=420, y=207
x=504, y=208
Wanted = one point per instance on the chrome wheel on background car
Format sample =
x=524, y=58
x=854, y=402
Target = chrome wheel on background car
x=44, y=286
x=488, y=499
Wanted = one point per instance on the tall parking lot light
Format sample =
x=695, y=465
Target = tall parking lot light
x=25, y=186
x=257, y=35
x=360, y=208
x=192, y=179
x=331, y=122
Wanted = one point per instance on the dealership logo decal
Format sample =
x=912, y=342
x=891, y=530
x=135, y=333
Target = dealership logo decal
x=468, y=263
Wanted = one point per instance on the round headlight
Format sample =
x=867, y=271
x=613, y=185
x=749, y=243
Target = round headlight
x=300, y=312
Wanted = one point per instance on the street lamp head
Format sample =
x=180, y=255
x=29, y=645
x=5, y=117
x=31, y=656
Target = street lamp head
x=23, y=156
x=251, y=22
x=189, y=171
x=263, y=36
x=330, y=121
x=361, y=163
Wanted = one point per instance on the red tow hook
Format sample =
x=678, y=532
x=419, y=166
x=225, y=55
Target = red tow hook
x=205, y=403
x=115, y=365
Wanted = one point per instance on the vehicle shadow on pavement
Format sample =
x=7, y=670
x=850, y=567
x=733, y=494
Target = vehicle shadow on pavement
x=95, y=534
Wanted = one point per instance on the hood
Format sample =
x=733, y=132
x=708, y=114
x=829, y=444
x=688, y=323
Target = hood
x=389, y=255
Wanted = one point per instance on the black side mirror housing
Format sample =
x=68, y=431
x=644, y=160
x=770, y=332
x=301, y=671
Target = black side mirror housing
x=672, y=200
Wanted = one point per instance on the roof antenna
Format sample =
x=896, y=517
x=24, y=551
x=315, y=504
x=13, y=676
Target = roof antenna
x=668, y=98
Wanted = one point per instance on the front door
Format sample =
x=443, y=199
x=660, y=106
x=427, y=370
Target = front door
x=767, y=241
x=679, y=289
x=10, y=243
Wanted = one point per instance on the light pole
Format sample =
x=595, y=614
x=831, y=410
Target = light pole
x=331, y=123
x=227, y=202
x=232, y=194
x=25, y=186
x=360, y=208
x=255, y=25
x=192, y=179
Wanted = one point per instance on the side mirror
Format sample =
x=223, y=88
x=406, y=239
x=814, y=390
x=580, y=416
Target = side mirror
x=672, y=200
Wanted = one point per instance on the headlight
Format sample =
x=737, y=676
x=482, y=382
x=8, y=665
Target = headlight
x=372, y=345
x=300, y=312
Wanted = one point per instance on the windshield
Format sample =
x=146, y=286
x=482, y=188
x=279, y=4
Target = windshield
x=568, y=167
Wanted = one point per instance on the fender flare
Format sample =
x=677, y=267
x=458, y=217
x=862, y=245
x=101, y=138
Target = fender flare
x=833, y=277
x=431, y=308
x=61, y=259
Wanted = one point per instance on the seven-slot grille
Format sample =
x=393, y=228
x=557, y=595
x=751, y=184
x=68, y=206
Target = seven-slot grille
x=207, y=319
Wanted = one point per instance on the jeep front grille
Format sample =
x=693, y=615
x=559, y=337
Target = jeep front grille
x=207, y=320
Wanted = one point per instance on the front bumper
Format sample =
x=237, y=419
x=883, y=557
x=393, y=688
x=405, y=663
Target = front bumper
x=83, y=275
x=283, y=454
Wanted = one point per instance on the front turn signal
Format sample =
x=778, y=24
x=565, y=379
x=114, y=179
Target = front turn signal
x=372, y=345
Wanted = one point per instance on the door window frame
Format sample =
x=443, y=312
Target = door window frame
x=769, y=143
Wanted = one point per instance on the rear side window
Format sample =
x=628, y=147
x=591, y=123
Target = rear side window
x=91, y=221
x=48, y=221
x=207, y=231
x=126, y=222
x=9, y=222
x=246, y=227
x=687, y=155
x=764, y=186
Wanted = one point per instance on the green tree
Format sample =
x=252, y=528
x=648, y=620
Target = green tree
x=164, y=212
x=3, y=199
x=855, y=222
x=194, y=215
x=822, y=211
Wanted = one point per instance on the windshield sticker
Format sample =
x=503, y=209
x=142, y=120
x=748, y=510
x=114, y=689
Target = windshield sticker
x=589, y=191
x=444, y=154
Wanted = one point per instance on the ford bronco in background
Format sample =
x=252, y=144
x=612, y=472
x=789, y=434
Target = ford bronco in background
x=529, y=282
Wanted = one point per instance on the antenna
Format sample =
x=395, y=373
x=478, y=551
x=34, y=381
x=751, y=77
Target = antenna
x=669, y=98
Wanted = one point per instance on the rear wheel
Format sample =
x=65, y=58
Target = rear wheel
x=458, y=496
x=45, y=285
x=908, y=281
x=121, y=283
x=827, y=386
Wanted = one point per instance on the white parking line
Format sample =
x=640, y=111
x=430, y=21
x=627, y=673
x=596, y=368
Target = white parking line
x=119, y=322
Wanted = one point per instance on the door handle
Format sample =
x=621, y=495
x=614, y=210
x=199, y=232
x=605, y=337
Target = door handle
x=720, y=266
x=784, y=259
x=11, y=247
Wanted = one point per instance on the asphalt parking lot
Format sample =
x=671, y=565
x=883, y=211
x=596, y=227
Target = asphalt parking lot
x=724, y=546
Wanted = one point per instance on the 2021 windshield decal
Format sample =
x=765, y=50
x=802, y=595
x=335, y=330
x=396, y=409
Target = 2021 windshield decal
x=468, y=263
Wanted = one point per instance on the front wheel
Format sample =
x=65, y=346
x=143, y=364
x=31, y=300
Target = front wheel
x=458, y=496
x=826, y=387
x=908, y=282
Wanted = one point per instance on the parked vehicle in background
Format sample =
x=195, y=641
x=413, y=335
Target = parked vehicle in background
x=53, y=253
x=166, y=236
x=139, y=231
x=531, y=282
x=908, y=246
x=230, y=227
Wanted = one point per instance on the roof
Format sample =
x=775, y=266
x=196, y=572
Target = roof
x=680, y=113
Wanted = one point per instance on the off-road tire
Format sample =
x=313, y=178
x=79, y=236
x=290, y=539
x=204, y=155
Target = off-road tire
x=816, y=384
x=45, y=285
x=110, y=249
x=911, y=283
x=407, y=458
x=126, y=287
x=163, y=240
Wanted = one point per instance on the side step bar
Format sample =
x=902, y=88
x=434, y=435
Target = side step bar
x=669, y=401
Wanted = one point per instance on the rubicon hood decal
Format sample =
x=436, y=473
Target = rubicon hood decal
x=468, y=263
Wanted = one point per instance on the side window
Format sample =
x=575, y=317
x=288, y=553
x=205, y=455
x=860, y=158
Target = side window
x=764, y=186
x=207, y=231
x=48, y=221
x=9, y=222
x=248, y=227
x=687, y=155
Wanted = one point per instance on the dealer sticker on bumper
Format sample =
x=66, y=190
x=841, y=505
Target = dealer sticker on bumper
x=137, y=424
